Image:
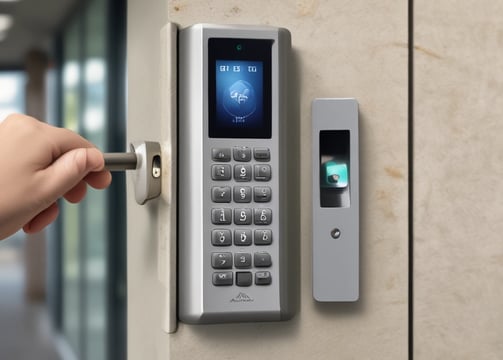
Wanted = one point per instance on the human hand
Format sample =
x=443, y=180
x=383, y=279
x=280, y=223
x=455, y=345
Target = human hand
x=39, y=164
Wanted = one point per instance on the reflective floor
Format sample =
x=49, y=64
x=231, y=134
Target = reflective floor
x=25, y=331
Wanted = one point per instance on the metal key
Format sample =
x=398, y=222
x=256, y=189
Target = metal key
x=120, y=161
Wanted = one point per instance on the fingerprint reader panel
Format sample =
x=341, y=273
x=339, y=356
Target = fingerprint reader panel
x=335, y=200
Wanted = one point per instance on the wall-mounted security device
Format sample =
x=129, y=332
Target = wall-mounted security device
x=232, y=221
x=335, y=200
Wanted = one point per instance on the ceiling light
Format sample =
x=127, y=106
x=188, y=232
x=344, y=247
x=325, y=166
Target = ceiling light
x=5, y=22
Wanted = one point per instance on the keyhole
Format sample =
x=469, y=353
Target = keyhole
x=156, y=166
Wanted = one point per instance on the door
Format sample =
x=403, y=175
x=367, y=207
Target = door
x=458, y=252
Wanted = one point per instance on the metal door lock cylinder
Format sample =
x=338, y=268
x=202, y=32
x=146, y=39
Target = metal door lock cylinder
x=145, y=159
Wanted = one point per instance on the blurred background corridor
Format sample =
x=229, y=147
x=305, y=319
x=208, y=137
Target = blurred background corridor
x=26, y=330
x=63, y=291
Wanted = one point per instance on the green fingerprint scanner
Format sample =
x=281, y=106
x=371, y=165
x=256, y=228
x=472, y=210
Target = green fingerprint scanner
x=336, y=175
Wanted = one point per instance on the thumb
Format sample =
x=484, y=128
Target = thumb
x=69, y=169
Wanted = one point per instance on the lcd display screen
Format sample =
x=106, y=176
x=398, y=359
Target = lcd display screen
x=239, y=88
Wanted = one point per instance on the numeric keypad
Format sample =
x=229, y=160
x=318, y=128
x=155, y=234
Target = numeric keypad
x=238, y=180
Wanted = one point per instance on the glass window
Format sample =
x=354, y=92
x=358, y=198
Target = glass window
x=95, y=205
x=93, y=296
x=72, y=289
x=11, y=93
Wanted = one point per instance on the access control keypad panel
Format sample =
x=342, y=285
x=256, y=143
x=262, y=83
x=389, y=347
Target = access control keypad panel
x=240, y=217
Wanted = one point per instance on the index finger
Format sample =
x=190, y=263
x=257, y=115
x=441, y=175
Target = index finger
x=64, y=140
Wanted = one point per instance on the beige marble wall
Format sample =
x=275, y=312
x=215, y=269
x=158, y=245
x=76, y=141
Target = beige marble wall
x=341, y=49
x=458, y=168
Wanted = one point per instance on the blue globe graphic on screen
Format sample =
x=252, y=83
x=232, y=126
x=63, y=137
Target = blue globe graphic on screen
x=239, y=99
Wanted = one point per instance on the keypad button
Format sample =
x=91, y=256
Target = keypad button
x=263, y=172
x=221, y=260
x=244, y=278
x=242, y=154
x=221, y=216
x=242, y=172
x=261, y=194
x=262, y=259
x=242, y=260
x=242, y=194
x=262, y=216
x=262, y=237
x=261, y=154
x=223, y=278
x=221, y=154
x=242, y=237
x=221, y=172
x=242, y=216
x=221, y=194
x=263, y=278
x=221, y=237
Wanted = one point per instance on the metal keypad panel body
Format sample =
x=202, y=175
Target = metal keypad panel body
x=215, y=229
